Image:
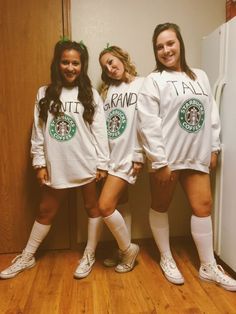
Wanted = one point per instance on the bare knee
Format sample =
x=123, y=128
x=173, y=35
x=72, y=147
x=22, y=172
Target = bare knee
x=92, y=209
x=160, y=205
x=47, y=212
x=106, y=208
x=159, y=208
x=202, y=209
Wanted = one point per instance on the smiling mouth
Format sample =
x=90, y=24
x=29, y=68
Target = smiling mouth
x=70, y=74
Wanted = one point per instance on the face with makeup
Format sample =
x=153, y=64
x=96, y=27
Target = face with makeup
x=70, y=66
x=168, y=50
x=112, y=66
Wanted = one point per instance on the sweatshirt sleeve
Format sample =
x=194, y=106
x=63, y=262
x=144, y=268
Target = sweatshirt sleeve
x=215, y=127
x=99, y=133
x=37, y=136
x=215, y=119
x=139, y=153
x=150, y=123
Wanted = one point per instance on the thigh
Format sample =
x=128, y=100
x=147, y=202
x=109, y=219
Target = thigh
x=197, y=188
x=90, y=198
x=51, y=200
x=53, y=197
x=124, y=196
x=162, y=195
x=111, y=193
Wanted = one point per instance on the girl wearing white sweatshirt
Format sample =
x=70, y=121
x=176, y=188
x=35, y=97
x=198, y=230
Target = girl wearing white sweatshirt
x=120, y=93
x=179, y=128
x=69, y=149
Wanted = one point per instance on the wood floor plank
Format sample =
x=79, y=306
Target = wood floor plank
x=49, y=287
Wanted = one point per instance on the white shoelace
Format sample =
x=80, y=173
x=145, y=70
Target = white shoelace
x=220, y=275
x=20, y=260
x=85, y=261
x=169, y=262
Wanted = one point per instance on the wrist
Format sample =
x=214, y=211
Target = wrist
x=37, y=167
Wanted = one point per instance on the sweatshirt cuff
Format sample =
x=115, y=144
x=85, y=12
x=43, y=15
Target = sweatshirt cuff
x=103, y=165
x=157, y=165
x=139, y=157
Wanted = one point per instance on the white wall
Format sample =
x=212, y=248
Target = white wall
x=130, y=24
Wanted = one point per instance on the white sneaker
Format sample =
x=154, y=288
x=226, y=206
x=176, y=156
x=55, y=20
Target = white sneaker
x=170, y=270
x=128, y=258
x=215, y=273
x=19, y=263
x=114, y=259
x=85, y=265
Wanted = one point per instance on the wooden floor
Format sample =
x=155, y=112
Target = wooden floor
x=49, y=287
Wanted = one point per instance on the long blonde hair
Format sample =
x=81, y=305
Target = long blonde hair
x=130, y=69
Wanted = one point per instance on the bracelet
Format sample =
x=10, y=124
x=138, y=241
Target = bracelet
x=39, y=167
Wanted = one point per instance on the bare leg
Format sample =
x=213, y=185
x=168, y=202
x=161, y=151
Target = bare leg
x=197, y=188
x=50, y=202
x=95, y=222
x=158, y=217
x=112, y=191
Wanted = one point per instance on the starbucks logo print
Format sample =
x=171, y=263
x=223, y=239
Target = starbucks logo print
x=192, y=115
x=62, y=128
x=116, y=123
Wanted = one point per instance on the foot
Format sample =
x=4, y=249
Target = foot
x=171, y=270
x=215, y=273
x=20, y=262
x=85, y=265
x=128, y=258
x=114, y=259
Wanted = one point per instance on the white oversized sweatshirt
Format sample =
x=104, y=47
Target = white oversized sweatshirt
x=70, y=148
x=121, y=118
x=178, y=121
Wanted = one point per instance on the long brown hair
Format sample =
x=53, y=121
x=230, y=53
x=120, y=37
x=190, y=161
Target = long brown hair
x=51, y=101
x=183, y=64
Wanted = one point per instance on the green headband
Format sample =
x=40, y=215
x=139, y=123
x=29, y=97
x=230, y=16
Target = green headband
x=64, y=39
x=107, y=48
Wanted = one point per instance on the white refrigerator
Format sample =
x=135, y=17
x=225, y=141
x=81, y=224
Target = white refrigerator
x=219, y=62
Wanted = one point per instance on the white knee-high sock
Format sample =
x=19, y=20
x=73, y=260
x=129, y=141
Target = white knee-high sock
x=125, y=211
x=159, y=224
x=95, y=226
x=117, y=226
x=37, y=235
x=201, y=229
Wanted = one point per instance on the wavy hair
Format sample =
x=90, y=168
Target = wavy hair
x=51, y=101
x=183, y=64
x=129, y=67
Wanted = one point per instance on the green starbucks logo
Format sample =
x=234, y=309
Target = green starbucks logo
x=192, y=115
x=116, y=123
x=62, y=128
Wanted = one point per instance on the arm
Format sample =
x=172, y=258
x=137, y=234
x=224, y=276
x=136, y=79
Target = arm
x=42, y=175
x=99, y=133
x=138, y=154
x=37, y=137
x=215, y=128
x=149, y=124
